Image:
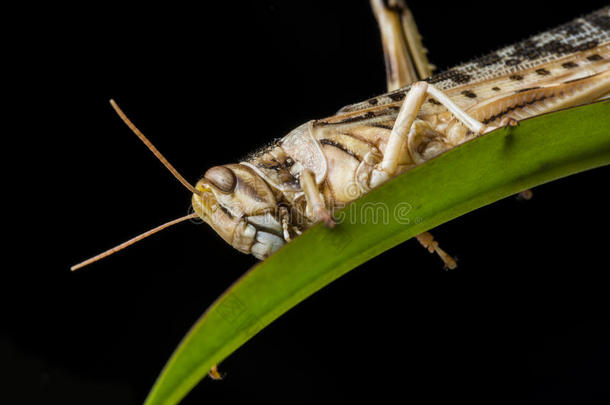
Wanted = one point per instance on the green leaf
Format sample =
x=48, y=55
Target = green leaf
x=475, y=174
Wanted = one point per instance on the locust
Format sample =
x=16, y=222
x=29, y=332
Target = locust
x=261, y=203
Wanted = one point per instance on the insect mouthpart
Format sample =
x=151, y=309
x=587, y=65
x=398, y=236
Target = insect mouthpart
x=239, y=206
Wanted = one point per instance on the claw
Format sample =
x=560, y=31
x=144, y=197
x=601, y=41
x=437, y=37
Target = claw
x=214, y=374
x=525, y=195
x=327, y=218
x=508, y=121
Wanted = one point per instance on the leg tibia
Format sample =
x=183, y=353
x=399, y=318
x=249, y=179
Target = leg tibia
x=314, y=199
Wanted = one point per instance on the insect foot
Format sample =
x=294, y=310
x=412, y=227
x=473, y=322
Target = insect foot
x=525, y=195
x=215, y=374
x=427, y=240
x=327, y=218
x=509, y=121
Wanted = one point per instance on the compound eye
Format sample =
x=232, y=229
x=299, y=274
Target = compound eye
x=221, y=177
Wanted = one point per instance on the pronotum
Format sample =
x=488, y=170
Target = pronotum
x=259, y=204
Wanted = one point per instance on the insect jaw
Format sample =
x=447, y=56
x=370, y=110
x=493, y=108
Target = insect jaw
x=256, y=234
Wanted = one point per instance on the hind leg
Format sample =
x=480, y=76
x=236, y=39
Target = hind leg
x=406, y=62
x=404, y=129
x=405, y=56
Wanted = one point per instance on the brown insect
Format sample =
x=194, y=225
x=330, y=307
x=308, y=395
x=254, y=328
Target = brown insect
x=261, y=203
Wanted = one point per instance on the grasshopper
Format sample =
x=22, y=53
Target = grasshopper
x=263, y=202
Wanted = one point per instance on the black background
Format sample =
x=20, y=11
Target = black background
x=524, y=317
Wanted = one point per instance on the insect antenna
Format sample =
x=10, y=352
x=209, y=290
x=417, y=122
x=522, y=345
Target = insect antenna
x=132, y=241
x=152, y=148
